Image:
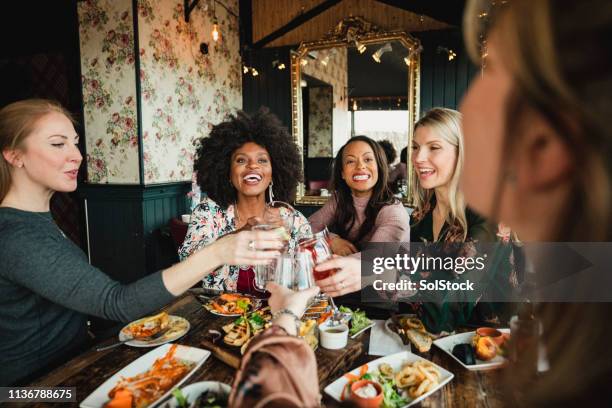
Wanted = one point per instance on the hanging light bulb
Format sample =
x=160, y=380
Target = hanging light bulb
x=354, y=104
x=215, y=31
x=376, y=56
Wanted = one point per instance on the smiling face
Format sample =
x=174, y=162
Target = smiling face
x=251, y=170
x=359, y=168
x=50, y=157
x=434, y=159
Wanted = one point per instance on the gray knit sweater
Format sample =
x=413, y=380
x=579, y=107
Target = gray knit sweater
x=47, y=288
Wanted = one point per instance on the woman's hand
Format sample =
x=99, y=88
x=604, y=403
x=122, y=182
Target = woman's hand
x=283, y=298
x=342, y=247
x=248, y=248
x=346, y=279
x=296, y=302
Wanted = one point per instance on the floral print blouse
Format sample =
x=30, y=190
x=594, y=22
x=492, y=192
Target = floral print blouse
x=210, y=221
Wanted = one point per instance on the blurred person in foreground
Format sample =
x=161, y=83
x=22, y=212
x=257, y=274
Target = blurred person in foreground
x=537, y=157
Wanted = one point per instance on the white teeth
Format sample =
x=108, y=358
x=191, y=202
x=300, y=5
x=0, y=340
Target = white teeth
x=426, y=171
x=252, y=177
x=361, y=177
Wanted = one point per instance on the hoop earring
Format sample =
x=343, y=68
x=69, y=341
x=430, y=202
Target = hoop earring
x=270, y=193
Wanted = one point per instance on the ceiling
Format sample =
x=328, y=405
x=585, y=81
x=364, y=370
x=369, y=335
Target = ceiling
x=277, y=23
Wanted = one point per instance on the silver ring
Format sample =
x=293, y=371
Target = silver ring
x=251, y=245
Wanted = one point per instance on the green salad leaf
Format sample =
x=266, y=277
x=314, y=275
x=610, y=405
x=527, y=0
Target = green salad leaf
x=243, y=304
x=257, y=322
x=359, y=321
x=391, y=398
x=180, y=398
x=344, y=309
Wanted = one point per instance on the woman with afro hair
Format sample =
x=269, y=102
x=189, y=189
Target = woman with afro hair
x=245, y=162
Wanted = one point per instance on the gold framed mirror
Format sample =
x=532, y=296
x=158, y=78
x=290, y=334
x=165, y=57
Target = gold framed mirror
x=325, y=110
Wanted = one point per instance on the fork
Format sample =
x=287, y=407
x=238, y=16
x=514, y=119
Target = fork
x=147, y=338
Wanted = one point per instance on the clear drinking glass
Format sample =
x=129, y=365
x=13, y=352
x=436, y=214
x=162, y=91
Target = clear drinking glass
x=279, y=214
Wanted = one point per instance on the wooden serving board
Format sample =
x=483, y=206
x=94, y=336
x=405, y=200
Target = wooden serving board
x=226, y=354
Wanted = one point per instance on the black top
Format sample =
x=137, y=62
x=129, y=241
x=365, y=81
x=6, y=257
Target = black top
x=435, y=309
x=47, y=288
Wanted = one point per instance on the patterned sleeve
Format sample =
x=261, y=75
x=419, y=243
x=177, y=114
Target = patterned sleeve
x=201, y=230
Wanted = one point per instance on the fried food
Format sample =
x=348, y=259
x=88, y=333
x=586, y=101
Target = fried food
x=419, y=377
x=239, y=334
x=148, y=326
x=231, y=304
x=145, y=388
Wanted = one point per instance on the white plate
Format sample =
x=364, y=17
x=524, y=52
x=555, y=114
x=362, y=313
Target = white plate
x=396, y=361
x=362, y=330
x=446, y=344
x=193, y=391
x=99, y=397
x=171, y=335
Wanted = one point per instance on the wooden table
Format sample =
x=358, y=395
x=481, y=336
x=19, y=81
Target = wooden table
x=89, y=370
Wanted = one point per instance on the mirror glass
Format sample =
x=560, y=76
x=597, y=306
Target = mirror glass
x=352, y=84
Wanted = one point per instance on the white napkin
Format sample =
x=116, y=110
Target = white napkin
x=383, y=342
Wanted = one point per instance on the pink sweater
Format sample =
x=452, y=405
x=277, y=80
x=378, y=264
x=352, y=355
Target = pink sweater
x=392, y=222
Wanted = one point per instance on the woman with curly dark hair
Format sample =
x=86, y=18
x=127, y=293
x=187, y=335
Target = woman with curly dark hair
x=362, y=209
x=245, y=162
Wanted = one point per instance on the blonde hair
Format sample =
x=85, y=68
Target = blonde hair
x=446, y=123
x=559, y=57
x=17, y=122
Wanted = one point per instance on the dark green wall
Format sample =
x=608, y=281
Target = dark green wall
x=126, y=223
x=443, y=82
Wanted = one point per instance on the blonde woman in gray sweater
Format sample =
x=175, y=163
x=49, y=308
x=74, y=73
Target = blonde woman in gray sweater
x=47, y=287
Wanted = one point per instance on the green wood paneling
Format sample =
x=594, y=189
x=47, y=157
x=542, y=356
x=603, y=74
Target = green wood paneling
x=124, y=226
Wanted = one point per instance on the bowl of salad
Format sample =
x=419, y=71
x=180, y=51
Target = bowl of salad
x=204, y=394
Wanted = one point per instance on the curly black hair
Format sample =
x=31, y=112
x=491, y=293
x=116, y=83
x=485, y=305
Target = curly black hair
x=214, y=153
x=389, y=150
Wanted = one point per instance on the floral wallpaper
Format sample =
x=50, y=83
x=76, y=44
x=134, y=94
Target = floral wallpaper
x=334, y=73
x=182, y=92
x=109, y=90
x=320, y=105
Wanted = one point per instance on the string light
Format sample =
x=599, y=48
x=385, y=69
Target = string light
x=245, y=69
x=254, y=72
x=278, y=65
x=407, y=60
x=303, y=62
x=450, y=53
